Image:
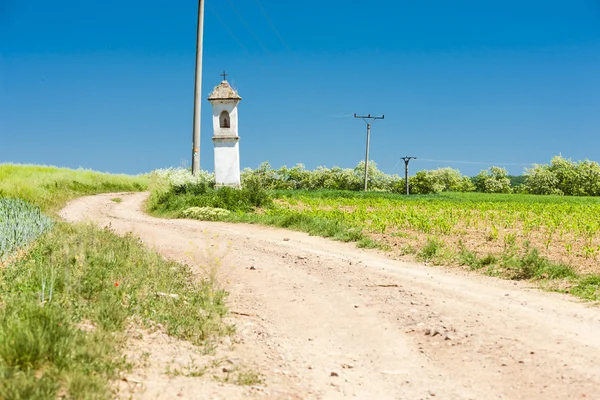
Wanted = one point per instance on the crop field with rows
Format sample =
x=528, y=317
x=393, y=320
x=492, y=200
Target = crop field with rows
x=20, y=223
x=564, y=229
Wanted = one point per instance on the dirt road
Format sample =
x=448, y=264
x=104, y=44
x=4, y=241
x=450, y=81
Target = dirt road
x=324, y=320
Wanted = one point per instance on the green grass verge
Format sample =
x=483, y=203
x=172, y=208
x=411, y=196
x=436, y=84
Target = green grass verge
x=65, y=305
x=243, y=203
x=50, y=187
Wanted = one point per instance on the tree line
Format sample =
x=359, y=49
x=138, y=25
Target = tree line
x=560, y=177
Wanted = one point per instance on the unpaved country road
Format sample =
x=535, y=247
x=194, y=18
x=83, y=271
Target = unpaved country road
x=311, y=309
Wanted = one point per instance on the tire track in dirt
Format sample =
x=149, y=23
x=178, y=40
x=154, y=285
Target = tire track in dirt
x=322, y=319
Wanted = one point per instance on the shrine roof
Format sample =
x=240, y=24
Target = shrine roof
x=224, y=92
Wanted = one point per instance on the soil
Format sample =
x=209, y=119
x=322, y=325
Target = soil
x=317, y=319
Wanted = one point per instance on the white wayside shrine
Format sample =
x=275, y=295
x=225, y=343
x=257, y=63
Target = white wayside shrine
x=224, y=102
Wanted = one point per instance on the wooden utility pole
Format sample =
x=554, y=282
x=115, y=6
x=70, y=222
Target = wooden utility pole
x=406, y=161
x=198, y=91
x=369, y=120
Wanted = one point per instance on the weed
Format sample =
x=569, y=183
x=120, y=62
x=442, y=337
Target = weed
x=191, y=370
x=510, y=240
x=588, y=287
x=488, y=260
x=436, y=251
x=469, y=258
x=532, y=265
x=408, y=249
x=117, y=200
x=493, y=234
x=248, y=378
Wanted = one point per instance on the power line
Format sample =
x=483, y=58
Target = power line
x=272, y=25
x=227, y=28
x=474, y=162
x=248, y=27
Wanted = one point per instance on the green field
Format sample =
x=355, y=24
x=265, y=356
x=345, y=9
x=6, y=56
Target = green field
x=50, y=187
x=565, y=229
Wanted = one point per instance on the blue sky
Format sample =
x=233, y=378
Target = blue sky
x=108, y=85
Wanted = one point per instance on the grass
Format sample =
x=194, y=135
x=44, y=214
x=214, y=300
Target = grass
x=436, y=251
x=78, y=275
x=175, y=203
x=50, y=187
x=66, y=300
x=588, y=288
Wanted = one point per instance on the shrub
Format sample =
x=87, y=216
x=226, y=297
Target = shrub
x=424, y=182
x=162, y=180
x=199, y=195
x=493, y=180
x=564, y=176
x=205, y=213
x=335, y=178
x=541, y=180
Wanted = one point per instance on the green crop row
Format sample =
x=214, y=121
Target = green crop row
x=20, y=223
x=454, y=214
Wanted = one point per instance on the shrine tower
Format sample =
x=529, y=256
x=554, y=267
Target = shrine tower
x=224, y=100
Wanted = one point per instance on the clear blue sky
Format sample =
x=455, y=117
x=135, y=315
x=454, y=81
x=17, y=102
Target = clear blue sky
x=108, y=84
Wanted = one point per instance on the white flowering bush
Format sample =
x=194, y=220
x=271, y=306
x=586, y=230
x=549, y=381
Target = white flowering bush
x=205, y=213
x=20, y=223
x=564, y=176
x=493, y=180
x=162, y=180
x=335, y=178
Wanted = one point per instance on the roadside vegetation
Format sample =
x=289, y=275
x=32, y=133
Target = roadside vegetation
x=50, y=187
x=552, y=239
x=68, y=292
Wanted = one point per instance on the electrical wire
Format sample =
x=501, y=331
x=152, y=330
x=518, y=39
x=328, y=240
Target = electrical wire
x=227, y=28
x=248, y=28
x=273, y=26
x=472, y=162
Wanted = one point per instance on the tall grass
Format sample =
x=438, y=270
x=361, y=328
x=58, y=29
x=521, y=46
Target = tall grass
x=66, y=304
x=50, y=187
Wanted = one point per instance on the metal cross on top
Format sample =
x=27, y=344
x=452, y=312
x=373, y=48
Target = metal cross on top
x=224, y=75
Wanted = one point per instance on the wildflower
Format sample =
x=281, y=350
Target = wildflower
x=116, y=283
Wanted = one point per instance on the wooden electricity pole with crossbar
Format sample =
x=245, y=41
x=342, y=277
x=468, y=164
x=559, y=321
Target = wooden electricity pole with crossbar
x=406, y=161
